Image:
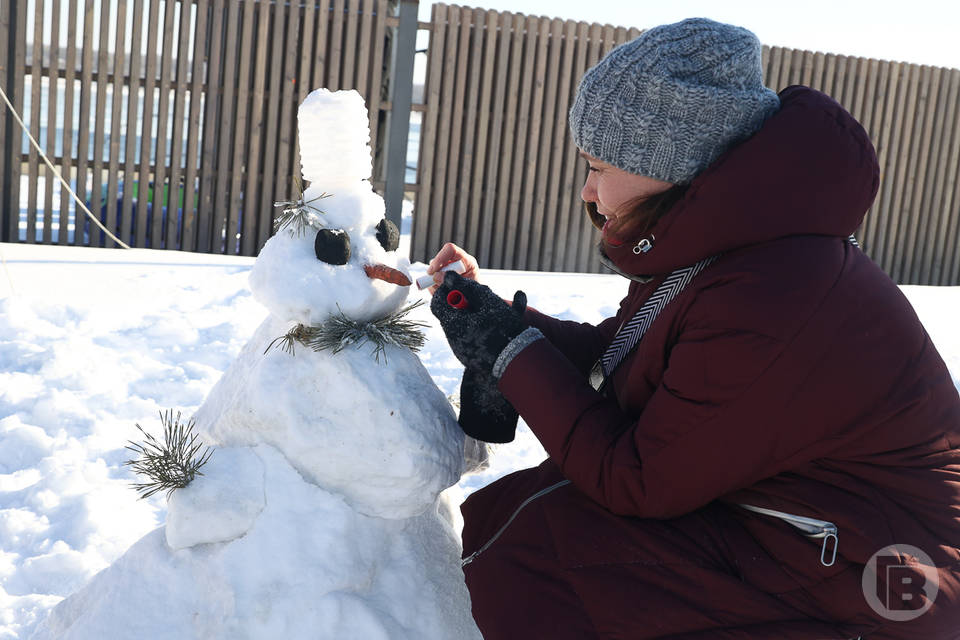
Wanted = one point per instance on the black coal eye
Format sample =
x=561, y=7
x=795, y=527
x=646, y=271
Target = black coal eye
x=388, y=235
x=332, y=246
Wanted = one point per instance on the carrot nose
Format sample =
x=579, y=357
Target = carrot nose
x=387, y=274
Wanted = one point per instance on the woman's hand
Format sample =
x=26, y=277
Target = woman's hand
x=448, y=254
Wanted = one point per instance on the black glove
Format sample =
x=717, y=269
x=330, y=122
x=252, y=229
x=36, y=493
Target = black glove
x=477, y=322
x=485, y=414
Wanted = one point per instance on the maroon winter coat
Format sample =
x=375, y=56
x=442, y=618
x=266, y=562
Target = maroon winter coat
x=791, y=374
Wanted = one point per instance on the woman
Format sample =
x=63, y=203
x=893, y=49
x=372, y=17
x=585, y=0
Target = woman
x=767, y=458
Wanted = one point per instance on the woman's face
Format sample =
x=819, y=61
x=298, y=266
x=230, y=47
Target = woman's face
x=614, y=190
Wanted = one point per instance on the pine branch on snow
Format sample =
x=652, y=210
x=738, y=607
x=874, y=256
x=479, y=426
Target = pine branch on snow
x=298, y=214
x=338, y=332
x=172, y=464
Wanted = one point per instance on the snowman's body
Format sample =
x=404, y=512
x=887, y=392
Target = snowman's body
x=318, y=515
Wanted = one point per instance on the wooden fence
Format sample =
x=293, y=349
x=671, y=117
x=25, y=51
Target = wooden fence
x=499, y=174
x=174, y=119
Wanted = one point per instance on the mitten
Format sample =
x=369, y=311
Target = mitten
x=485, y=414
x=477, y=322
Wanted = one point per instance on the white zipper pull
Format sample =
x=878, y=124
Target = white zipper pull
x=644, y=245
x=810, y=527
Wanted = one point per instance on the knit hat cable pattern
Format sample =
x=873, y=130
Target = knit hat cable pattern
x=668, y=103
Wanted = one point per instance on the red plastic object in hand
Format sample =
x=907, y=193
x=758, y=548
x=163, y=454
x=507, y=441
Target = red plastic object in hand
x=456, y=299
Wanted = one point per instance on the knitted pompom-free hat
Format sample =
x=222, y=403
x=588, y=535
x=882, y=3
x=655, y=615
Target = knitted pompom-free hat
x=668, y=103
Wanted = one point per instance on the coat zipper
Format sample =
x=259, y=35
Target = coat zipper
x=811, y=527
x=538, y=494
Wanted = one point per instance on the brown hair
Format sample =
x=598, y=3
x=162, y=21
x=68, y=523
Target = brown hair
x=642, y=213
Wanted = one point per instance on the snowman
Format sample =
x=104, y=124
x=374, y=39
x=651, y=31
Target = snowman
x=319, y=513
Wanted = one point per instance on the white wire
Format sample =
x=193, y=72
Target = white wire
x=80, y=204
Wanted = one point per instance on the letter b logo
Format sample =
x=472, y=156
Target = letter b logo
x=900, y=582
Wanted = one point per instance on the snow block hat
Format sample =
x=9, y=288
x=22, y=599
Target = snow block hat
x=668, y=103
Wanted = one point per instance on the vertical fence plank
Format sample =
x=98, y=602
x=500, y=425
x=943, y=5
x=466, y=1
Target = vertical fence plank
x=83, y=118
x=228, y=132
x=207, y=241
x=323, y=41
x=471, y=140
x=36, y=63
x=819, y=60
x=446, y=33
x=366, y=43
x=161, y=233
x=265, y=226
x=913, y=134
x=526, y=35
x=946, y=233
x=7, y=138
x=145, y=173
x=66, y=157
x=243, y=52
x=98, y=190
x=462, y=21
x=116, y=102
x=133, y=130
x=805, y=77
x=550, y=158
x=889, y=136
x=540, y=42
x=177, y=193
x=923, y=147
x=903, y=126
x=772, y=69
x=420, y=240
x=350, y=45
x=511, y=30
x=929, y=252
x=17, y=99
x=195, y=127
x=498, y=43
x=336, y=45
x=876, y=105
x=478, y=221
x=53, y=81
x=288, y=122
x=256, y=221
x=564, y=157
x=950, y=274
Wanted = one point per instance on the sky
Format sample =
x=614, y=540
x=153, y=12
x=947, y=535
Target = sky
x=919, y=31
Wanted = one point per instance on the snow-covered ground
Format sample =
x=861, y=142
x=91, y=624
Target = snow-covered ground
x=93, y=341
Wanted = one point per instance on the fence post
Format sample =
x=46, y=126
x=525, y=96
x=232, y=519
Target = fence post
x=7, y=17
x=401, y=97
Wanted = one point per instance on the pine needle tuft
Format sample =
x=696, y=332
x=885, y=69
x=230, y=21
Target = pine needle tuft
x=299, y=215
x=338, y=332
x=172, y=464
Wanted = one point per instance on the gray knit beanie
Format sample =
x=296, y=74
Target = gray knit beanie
x=668, y=103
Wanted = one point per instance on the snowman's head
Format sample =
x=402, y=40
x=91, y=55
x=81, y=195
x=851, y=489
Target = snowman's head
x=339, y=254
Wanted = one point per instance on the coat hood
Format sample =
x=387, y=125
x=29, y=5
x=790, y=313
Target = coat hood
x=811, y=169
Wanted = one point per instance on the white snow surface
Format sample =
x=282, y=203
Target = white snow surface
x=93, y=341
